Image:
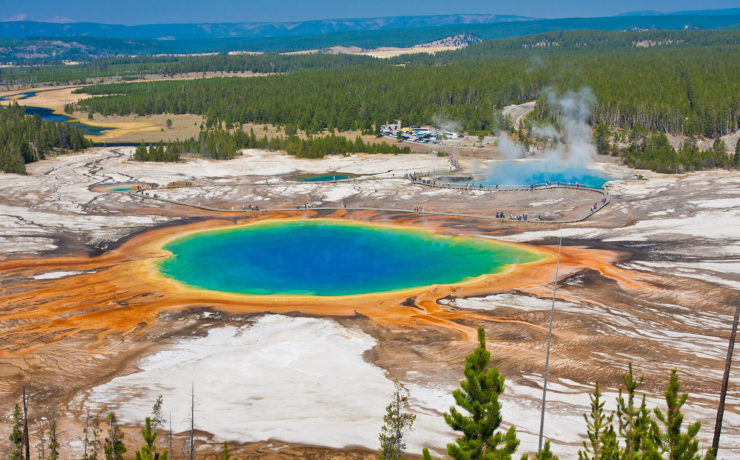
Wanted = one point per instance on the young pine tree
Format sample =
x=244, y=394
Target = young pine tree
x=93, y=443
x=149, y=450
x=426, y=455
x=544, y=454
x=113, y=446
x=602, y=440
x=141, y=153
x=225, y=454
x=601, y=139
x=672, y=442
x=53, y=442
x=158, y=419
x=16, y=435
x=478, y=396
x=396, y=422
x=41, y=445
x=634, y=422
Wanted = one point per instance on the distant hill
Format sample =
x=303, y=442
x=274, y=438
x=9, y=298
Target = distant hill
x=720, y=12
x=24, y=29
x=77, y=43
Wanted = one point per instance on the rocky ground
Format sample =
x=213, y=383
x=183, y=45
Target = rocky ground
x=300, y=384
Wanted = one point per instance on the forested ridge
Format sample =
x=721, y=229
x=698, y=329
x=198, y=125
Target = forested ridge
x=578, y=42
x=692, y=90
x=24, y=139
x=550, y=43
x=130, y=67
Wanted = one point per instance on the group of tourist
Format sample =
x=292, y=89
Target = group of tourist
x=519, y=217
x=595, y=206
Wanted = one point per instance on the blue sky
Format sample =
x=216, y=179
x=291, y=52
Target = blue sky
x=169, y=11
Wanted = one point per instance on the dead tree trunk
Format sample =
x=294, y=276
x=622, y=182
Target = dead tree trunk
x=87, y=421
x=725, y=381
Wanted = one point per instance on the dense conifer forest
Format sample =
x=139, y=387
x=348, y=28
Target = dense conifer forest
x=24, y=139
x=129, y=68
x=684, y=87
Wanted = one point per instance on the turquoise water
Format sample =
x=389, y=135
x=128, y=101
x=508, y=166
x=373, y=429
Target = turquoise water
x=116, y=187
x=541, y=172
x=329, y=258
x=323, y=177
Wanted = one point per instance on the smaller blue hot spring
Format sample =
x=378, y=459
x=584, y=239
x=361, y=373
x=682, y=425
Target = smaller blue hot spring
x=541, y=172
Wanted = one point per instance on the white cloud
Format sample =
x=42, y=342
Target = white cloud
x=18, y=17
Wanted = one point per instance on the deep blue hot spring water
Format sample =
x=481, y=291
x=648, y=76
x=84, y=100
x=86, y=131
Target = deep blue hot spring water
x=331, y=258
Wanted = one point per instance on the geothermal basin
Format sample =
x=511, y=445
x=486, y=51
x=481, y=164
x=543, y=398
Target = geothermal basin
x=325, y=257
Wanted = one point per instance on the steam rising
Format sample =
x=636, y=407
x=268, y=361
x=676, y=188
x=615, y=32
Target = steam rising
x=574, y=108
x=571, y=152
x=510, y=149
x=446, y=124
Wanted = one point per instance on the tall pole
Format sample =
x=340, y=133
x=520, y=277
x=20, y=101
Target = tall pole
x=26, y=407
x=169, y=443
x=192, y=420
x=112, y=429
x=725, y=381
x=549, y=339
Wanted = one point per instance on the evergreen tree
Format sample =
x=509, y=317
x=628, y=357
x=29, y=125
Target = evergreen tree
x=225, y=455
x=149, y=450
x=158, y=419
x=719, y=147
x=113, y=446
x=601, y=139
x=634, y=421
x=141, y=152
x=426, y=455
x=737, y=153
x=672, y=442
x=544, y=454
x=478, y=396
x=52, y=432
x=41, y=445
x=93, y=443
x=396, y=422
x=24, y=139
x=16, y=435
x=602, y=440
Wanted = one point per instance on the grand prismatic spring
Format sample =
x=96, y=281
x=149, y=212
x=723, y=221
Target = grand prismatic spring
x=328, y=258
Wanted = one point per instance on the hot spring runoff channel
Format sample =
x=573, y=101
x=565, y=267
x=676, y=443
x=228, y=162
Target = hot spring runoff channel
x=330, y=258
